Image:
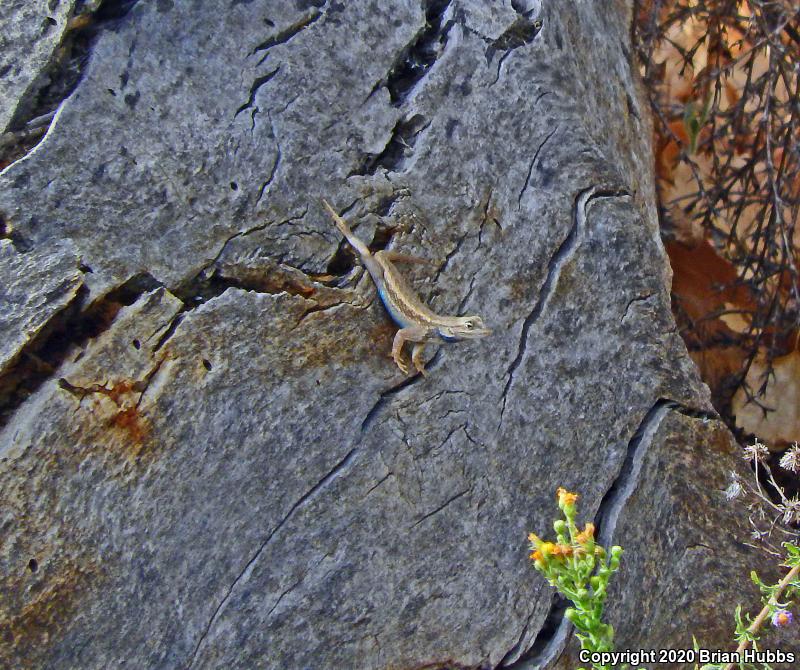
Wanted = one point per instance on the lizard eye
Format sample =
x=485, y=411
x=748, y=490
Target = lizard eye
x=469, y=325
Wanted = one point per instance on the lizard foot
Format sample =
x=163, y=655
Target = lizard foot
x=418, y=360
x=401, y=364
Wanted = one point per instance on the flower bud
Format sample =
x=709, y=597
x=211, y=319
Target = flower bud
x=616, y=555
x=565, y=498
x=571, y=615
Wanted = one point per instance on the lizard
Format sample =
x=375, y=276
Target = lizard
x=417, y=322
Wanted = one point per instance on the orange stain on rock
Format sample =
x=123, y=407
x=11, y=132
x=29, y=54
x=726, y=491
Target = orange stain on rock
x=135, y=428
x=44, y=613
x=120, y=428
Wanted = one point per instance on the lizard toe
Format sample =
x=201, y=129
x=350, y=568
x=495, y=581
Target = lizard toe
x=400, y=364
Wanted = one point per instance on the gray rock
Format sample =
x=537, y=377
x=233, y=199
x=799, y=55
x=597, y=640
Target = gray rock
x=36, y=286
x=30, y=32
x=693, y=527
x=232, y=473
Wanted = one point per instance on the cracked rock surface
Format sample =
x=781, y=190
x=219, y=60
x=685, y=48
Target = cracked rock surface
x=208, y=459
x=31, y=32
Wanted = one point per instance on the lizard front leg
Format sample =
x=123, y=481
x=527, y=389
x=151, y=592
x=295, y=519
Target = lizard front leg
x=410, y=334
x=417, y=360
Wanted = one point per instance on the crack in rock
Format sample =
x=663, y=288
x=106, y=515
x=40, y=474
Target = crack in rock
x=398, y=149
x=284, y=36
x=530, y=168
x=296, y=584
x=447, y=502
x=257, y=84
x=451, y=254
x=523, y=31
x=385, y=397
x=436, y=447
x=115, y=391
x=564, y=252
x=551, y=622
x=418, y=57
x=275, y=164
x=468, y=295
x=45, y=96
x=267, y=277
x=549, y=643
x=617, y=495
x=244, y=574
x=632, y=301
x=190, y=289
x=489, y=214
x=18, y=241
x=320, y=307
x=73, y=326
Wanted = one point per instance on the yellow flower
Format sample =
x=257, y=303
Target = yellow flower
x=586, y=534
x=565, y=498
x=564, y=549
x=534, y=539
x=547, y=548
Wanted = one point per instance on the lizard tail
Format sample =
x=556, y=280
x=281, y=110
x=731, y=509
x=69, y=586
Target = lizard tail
x=344, y=229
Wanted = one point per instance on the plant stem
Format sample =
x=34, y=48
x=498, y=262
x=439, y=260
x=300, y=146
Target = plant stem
x=764, y=613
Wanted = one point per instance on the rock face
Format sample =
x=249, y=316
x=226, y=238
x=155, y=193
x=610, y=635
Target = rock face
x=214, y=463
x=31, y=33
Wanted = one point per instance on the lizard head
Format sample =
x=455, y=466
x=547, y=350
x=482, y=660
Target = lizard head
x=464, y=328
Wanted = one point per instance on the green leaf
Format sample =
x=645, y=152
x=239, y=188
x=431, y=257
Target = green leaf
x=792, y=554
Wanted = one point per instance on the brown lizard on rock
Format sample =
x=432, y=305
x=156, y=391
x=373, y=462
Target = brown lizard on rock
x=417, y=322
